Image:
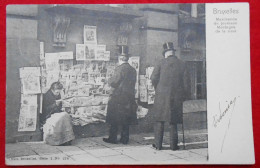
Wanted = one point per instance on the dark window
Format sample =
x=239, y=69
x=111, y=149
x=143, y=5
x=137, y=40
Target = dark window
x=196, y=71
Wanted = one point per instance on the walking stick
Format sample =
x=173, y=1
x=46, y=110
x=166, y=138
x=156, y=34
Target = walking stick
x=183, y=133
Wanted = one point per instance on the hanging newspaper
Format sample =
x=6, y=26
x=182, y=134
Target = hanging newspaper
x=52, y=62
x=28, y=113
x=149, y=71
x=65, y=65
x=101, y=49
x=30, y=79
x=150, y=87
x=31, y=85
x=90, y=34
x=135, y=63
x=25, y=71
x=66, y=55
x=80, y=52
x=107, y=56
x=151, y=96
x=90, y=51
x=143, y=89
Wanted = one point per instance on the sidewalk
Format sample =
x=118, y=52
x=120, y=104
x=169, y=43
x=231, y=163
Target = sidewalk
x=94, y=151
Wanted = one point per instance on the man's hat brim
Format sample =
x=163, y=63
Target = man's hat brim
x=124, y=55
x=168, y=50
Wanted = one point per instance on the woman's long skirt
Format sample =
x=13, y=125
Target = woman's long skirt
x=58, y=129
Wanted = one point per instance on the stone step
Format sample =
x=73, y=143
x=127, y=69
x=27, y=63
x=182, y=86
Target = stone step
x=193, y=139
x=190, y=136
x=194, y=145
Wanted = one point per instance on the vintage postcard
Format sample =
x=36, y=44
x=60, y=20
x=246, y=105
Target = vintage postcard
x=179, y=94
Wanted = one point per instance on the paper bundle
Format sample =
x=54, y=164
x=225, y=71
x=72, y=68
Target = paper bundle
x=87, y=115
x=141, y=112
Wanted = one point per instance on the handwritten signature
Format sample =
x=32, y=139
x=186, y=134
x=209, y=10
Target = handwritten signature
x=222, y=113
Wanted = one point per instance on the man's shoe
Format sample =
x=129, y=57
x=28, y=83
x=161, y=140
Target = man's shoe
x=175, y=148
x=157, y=148
x=107, y=140
x=124, y=141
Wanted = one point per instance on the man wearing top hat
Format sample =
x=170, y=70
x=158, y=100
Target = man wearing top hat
x=121, y=109
x=168, y=81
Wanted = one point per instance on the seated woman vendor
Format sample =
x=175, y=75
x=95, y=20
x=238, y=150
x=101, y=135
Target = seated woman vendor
x=57, y=126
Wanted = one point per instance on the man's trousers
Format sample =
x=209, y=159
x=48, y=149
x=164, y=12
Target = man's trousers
x=124, y=133
x=158, y=135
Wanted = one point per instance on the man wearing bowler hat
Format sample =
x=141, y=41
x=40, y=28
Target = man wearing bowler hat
x=121, y=109
x=168, y=80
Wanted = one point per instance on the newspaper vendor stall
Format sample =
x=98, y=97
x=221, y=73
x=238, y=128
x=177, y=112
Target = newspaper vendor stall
x=84, y=75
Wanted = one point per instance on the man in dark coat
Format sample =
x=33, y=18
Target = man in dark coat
x=168, y=80
x=121, y=110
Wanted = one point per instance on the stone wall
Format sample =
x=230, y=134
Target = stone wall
x=22, y=49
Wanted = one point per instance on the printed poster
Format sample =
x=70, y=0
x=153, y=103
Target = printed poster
x=90, y=34
x=25, y=71
x=66, y=65
x=90, y=51
x=28, y=99
x=149, y=72
x=101, y=49
x=151, y=96
x=107, y=56
x=31, y=85
x=66, y=55
x=149, y=84
x=80, y=52
x=30, y=79
x=28, y=113
x=52, y=61
x=150, y=87
x=143, y=89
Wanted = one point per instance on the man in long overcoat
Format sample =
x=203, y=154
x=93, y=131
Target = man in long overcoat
x=168, y=80
x=121, y=110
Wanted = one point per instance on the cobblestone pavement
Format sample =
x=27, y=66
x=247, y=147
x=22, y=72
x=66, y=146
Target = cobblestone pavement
x=94, y=151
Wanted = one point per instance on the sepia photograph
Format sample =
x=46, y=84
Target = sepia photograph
x=106, y=84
